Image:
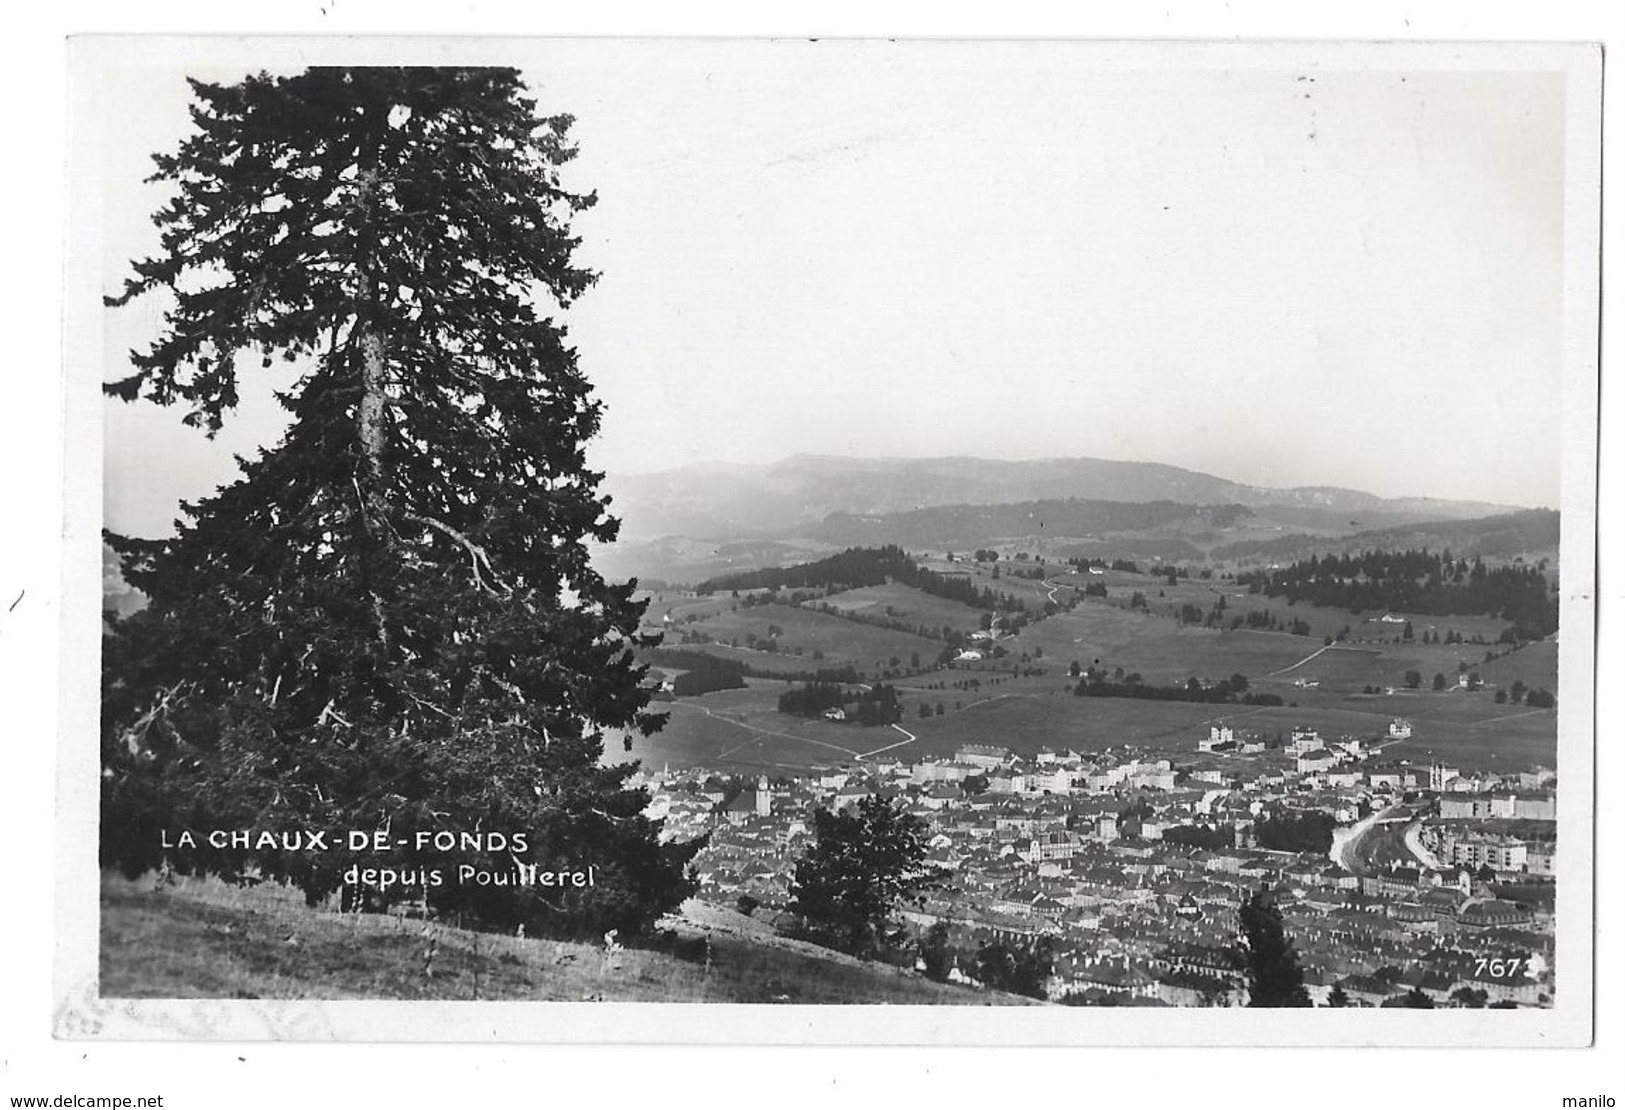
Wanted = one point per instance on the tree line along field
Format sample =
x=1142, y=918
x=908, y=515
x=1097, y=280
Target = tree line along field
x=1163, y=652
x=1015, y=578
x=895, y=601
x=1163, y=599
x=674, y=608
x=802, y=639
x=866, y=628
x=892, y=601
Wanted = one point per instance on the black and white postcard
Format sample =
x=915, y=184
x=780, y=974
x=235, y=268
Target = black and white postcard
x=830, y=541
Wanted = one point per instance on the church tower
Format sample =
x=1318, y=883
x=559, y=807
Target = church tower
x=764, y=797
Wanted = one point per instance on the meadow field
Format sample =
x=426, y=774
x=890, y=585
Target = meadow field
x=1156, y=647
x=807, y=641
x=742, y=728
x=896, y=601
x=1167, y=600
x=1534, y=664
x=1021, y=699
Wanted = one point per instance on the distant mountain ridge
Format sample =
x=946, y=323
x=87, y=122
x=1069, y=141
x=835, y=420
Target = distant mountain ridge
x=715, y=501
x=972, y=525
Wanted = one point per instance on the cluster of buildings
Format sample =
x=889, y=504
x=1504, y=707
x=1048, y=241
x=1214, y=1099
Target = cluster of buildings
x=1130, y=865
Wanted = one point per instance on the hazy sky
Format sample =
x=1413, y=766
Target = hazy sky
x=1291, y=275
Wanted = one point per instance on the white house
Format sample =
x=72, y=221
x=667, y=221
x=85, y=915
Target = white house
x=1318, y=759
x=1303, y=740
x=982, y=755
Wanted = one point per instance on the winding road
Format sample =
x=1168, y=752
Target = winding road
x=1301, y=662
x=909, y=739
x=1347, y=848
x=760, y=732
x=1414, y=845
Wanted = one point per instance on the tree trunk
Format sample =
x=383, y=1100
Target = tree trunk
x=371, y=422
x=370, y=411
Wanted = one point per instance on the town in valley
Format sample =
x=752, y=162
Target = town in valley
x=1101, y=781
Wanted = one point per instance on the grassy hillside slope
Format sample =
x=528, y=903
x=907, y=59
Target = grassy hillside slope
x=204, y=939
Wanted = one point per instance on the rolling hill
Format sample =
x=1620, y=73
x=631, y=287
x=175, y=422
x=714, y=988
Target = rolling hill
x=701, y=521
x=1532, y=533
x=726, y=502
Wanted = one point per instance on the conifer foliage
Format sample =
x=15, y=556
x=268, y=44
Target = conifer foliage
x=389, y=621
x=864, y=862
x=1266, y=953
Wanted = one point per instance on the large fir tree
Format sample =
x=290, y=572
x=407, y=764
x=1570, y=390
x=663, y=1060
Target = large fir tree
x=389, y=620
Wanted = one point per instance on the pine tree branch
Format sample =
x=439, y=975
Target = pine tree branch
x=329, y=712
x=138, y=730
x=477, y=555
x=431, y=706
